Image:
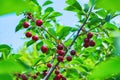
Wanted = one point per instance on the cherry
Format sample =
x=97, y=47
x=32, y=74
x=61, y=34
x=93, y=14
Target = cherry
x=86, y=40
x=89, y=35
x=45, y=72
x=57, y=72
x=60, y=58
x=86, y=45
x=25, y=24
x=44, y=49
x=39, y=22
x=59, y=76
x=92, y=43
x=55, y=78
x=34, y=76
x=24, y=77
x=34, y=38
x=49, y=65
x=63, y=78
x=60, y=47
x=28, y=34
x=69, y=58
x=61, y=52
x=72, y=52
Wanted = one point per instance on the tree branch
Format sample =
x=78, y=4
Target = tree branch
x=52, y=69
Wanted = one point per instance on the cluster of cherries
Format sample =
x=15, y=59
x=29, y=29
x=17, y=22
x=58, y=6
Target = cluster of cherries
x=26, y=25
x=60, y=58
x=25, y=77
x=88, y=42
x=61, y=53
x=44, y=49
x=58, y=75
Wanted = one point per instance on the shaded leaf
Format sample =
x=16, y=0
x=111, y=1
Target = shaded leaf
x=29, y=43
x=47, y=3
x=38, y=46
x=20, y=25
x=4, y=47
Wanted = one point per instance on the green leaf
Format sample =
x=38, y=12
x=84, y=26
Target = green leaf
x=20, y=25
x=86, y=7
x=101, y=12
x=37, y=60
x=9, y=6
x=47, y=12
x=5, y=77
x=38, y=46
x=110, y=26
x=107, y=18
x=48, y=43
x=116, y=42
x=92, y=2
x=110, y=5
x=94, y=20
x=106, y=69
x=71, y=8
x=29, y=43
x=10, y=66
x=49, y=9
x=74, y=3
x=52, y=31
x=72, y=73
x=47, y=3
x=23, y=64
x=64, y=31
x=36, y=2
x=55, y=14
x=4, y=47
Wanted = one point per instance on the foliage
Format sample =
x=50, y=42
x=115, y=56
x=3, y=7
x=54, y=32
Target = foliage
x=97, y=61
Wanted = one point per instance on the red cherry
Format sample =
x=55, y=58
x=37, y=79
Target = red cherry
x=45, y=72
x=92, y=43
x=57, y=72
x=60, y=58
x=86, y=40
x=39, y=22
x=60, y=47
x=89, y=35
x=55, y=78
x=69, y=58
x=63, y=78
x=59, y=76
x=24, y=77
x=86, y=45
x=44, y=49
x=25, y=24
x=72, y=52
x=28, y=34
x=34, y=38
x=61, y=52
x=49, y=65
x=34, y=76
